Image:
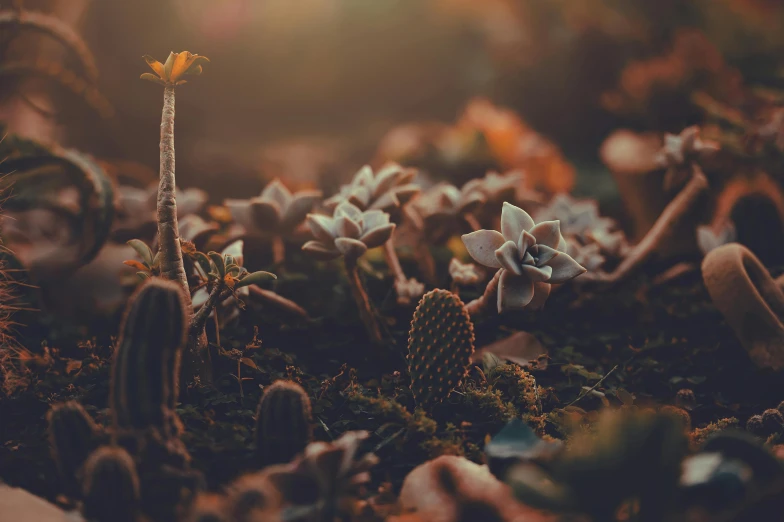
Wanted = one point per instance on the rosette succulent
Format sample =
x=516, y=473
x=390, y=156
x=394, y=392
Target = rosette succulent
x=386, y=190
x=277, y=213
x=439, y=211
x=350, y=232
x=530, y=257
x=680, y=152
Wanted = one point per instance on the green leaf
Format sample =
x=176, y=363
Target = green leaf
x=232, y=269
x=255, y=278
x=156, y=261
x=220, y=266
x=204, y=262
x=142, y=249
x=143, y=275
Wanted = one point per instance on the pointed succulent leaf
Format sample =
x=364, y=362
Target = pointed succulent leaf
x=155, y=65
x=143, y=250
x=537, y=274
x=266, y=213
x=541, y=293
x=349, y=210
x=143, y=275
x=544, y=254
x=514, y=292
x=321, y=251
x=482, y=244
x=255, y=278
x=156, y=260
x=378, y=236
x=350, y=248
x=278, y=192
x=204, y=262
x=386, y=178
x=374, y=218
x=388, y=200
x=564, y=268
x=363, y=177
x=509, y=257
x=514, y=221
x=547, y=233
x=301, y=203
x=322, y=227
x=218, y=264
x=347, y=227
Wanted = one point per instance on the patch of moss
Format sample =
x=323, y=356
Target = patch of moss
x=698, y=436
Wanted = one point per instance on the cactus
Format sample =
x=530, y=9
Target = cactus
x=110, y=486
x=440, y=344
x=283, y=423
x=72, y=436
x=146, y=364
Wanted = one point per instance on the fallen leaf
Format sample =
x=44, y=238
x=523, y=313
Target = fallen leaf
x=519, y=348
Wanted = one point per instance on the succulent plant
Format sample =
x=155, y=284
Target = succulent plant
x=137, y=206
x=169, y=74
x=387, y=190
x=440, y=345
x=464, y=273
x=581, y=219
x=72, y=436
x=680, y=152
x=110, y=486
x=712, y=237
x=438, y=212
x=276, y=212
x=283, y=423
x=495, y=188
x=350, y=232
x=530, y=257
x=145, y=370
x=335, y=471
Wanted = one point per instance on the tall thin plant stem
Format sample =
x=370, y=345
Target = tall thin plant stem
x=172, y=266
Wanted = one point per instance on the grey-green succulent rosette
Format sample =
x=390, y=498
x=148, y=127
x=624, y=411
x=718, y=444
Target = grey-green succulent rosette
x=349, y=232
x=530, y=257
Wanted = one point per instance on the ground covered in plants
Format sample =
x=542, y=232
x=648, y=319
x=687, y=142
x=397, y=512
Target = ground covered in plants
x=636, y=345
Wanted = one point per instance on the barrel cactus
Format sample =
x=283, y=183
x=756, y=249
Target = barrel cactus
x=110, y=486
x=283, y=423
x=72, y=436
x=440, y=344
x=146, y=364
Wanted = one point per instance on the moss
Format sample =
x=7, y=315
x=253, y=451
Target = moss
x=519, y=387
x=487, y=405
x=698, y=436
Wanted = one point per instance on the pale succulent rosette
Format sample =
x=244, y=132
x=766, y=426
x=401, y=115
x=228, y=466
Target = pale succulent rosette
x=530, y=257
x=387, y=189
x=276, y=211
x=349, y=232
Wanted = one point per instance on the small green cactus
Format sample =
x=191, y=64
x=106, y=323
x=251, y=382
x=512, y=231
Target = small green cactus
x=147, y=359
x=283, y=423
x=110, y=486
x=72, y=436
x=440, y=344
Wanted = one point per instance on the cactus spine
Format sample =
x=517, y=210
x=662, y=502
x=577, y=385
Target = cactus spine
x=283, y=423
x=440, y=344
x=110, y=486
x=145, y=373
x=72, y=436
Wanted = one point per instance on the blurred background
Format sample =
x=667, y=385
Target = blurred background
x=309, y=89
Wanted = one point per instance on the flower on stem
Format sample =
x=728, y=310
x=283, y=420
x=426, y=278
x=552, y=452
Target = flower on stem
x=350, y=232
x=386, y=190
x=176, y=66
x=530, y=257
x=276, y=211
